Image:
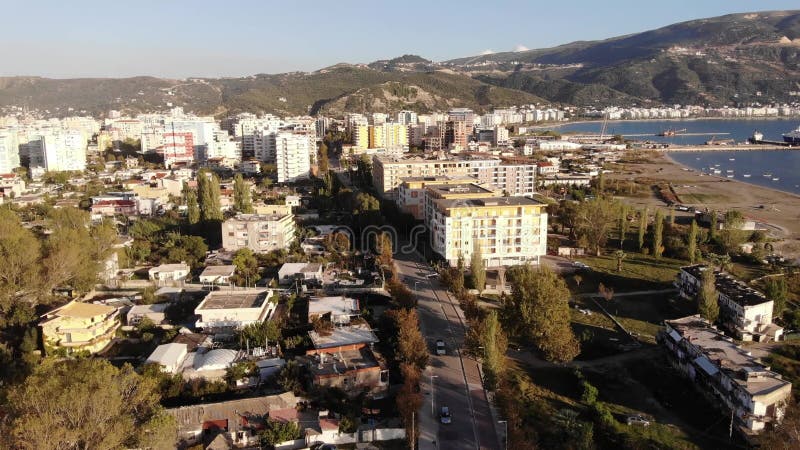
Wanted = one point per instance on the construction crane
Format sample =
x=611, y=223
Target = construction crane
x=603, y=130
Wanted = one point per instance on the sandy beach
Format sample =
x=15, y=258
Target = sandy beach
x=780, y=210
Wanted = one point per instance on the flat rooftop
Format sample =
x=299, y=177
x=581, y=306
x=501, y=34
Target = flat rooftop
x=724, y=355
x=460, y=188
x=732, y=288
x=486, y=202
x=444, y=179
x=234, y=299
x=338, y=363
x=81, y=310
x=341, y=336
x=257, y=217
x=337, y=306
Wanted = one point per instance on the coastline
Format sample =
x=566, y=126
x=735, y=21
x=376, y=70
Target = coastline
x=669, y=158
x=778, y=210
x=686, y=119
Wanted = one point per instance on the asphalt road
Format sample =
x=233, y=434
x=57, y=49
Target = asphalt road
x=456, y=381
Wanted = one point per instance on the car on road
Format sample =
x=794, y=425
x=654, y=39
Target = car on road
x=440, y=348
x=444, y=417
x=580, y=265
x=637, y=420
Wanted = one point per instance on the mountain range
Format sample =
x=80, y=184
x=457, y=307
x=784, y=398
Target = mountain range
x=727, y=60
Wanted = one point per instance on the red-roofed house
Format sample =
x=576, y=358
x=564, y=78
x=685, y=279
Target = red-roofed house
x=110, y=208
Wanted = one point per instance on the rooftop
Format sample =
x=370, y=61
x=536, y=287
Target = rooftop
x=218, y=271
x=81, y=310
x=257, y=217
x=336, y=306
x=446, y=203
x=722, y=354
x=342, y=336
x=191, y=418
x=234, y=299
x=732, y=288
x=443, y=190
x=338, y=363
x=168, y=354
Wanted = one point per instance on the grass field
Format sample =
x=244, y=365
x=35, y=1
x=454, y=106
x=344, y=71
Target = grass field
x=639, y=272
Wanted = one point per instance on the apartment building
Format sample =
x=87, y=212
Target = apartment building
x=456, y=134
x=9, y=151
x=259, y=233
x=743, y=311
x=77, y=327
x=411, y=192
x=58, y=150
x=234, y=309
x=509, y=230
x=727, y=373
x=293, y=153
x=388, y=135
x=514, y=178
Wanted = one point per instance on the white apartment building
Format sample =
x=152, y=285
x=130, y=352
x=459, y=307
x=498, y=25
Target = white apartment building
x=234, y=309
x=293, y=153
x=516, y=179
x=741, y=383
x=509, y=230
x=260, y=233
x=59, y=150
x=9, y=151
x=743, y=311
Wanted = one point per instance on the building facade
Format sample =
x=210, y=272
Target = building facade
x=293, y=153
x=745, y=312
x=509, y=230
x=727, y=373
x=77, y=327
x=259, y=233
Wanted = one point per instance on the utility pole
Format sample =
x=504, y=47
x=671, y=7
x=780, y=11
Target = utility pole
x=413, y=429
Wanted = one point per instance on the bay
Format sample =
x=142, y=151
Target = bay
x=781, y=164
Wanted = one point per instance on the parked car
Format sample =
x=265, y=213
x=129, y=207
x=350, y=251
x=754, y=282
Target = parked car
x=444, y=417
x=440, y=348
x=638, y=420
x=580, y=265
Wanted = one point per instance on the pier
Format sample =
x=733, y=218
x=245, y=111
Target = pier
x=724, y=148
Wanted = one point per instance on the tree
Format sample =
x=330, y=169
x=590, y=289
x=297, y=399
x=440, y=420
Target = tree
x=712, y=233
x=401, y=294
x=707, y=303
x=277, y=431
x=538, y=309
x=642, y=228
x=411, y=347
x=595, y=219
x=777, y=291
x=192, y=207
x=19, y=273
x=241, y=195
x=259, y=334
x=87, y=403
x=322, y=159
x=383, y=246
x=623, y=225
x=478, y=268
x=658, y=234
x=488, y=334
x=692, y=242
x=732, y=235
x=409, y=399
x=246, y=266
x=619, y=255
x=208, y=196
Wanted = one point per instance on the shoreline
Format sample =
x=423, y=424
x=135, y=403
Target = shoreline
x=730, y=180
x=682, y=119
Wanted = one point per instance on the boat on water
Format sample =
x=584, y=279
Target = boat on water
x=747, y=175
x=670, y=132
x=729, y=171
x=730, y=175
x=731, y=159
x=717, y=171
x=775, y=179
x=768, y=174
x=792, y=137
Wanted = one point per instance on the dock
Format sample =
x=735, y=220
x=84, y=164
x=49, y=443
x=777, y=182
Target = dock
x=725, y=148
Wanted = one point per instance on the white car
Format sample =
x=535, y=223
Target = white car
x=638, y=420
x=440, y=349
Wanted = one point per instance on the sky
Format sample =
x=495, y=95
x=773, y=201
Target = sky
x=184, y=38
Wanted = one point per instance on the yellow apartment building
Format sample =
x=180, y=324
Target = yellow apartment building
x=79, y=326
x=509, y=230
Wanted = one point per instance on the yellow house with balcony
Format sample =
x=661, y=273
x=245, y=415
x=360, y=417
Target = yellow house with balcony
x=79, y=326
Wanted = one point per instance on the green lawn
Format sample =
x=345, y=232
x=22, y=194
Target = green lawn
x=639, y=272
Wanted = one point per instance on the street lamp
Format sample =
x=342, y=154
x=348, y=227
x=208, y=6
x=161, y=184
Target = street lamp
x=415, y=287
x=505, y=435
x=433, y=393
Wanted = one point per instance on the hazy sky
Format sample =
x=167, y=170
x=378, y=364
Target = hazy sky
x=171, y=38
